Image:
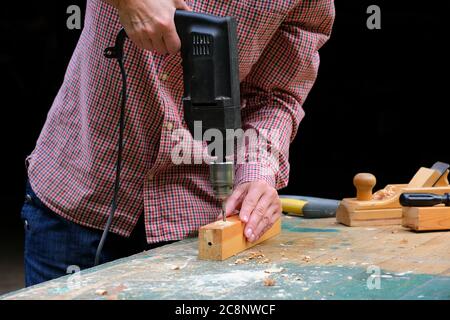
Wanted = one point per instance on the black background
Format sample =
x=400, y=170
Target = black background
x=379, y=105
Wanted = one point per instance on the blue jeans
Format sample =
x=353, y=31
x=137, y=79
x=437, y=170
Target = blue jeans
x=55, y=246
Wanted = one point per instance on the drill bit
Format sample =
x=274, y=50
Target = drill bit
x=224, y=205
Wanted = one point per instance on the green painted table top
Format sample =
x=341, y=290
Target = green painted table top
x=311, y=259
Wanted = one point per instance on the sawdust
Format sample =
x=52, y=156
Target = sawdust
x=333, y=259
x=252, y=256
x=101, y=292
x=179, y=266
x=305, y=258
x=268, y=282
x=274, y=270
x=264, y=261
x=255, y=255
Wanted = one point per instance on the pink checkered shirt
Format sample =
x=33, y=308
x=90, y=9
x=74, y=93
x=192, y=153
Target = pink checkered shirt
x=72, y=168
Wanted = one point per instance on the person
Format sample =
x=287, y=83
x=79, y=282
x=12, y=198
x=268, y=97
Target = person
x=72, y=168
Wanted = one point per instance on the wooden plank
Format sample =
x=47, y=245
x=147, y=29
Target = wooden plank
x=221, y=240
x=426, y=218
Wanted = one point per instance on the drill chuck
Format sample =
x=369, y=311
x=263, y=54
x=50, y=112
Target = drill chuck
x=221, y=175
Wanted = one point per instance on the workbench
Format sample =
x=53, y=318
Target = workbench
x=311, y=259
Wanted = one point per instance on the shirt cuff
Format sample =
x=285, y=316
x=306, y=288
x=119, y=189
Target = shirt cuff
x=249, y=172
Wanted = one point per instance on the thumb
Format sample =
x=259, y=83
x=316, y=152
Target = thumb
x=234, y=202
x=180, y=4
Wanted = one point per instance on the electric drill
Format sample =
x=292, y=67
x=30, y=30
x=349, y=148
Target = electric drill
x=211, y=98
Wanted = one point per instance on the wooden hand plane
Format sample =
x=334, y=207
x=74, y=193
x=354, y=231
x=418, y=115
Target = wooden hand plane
x=383, y=207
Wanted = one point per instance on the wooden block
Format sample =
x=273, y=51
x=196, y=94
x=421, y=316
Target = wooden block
x=221, y=240
x=426, y=218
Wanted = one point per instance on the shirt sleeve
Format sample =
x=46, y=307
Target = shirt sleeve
x=275, y=89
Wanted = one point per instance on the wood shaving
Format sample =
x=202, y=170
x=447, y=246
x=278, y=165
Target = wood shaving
x=305, y=258
x=335, y=259
x=176, y=268
x=385, y=193
x=264, y=261
x=251, y=256
x=268, y=282
x=101, y=292
x=255, y=255
x=273, y=270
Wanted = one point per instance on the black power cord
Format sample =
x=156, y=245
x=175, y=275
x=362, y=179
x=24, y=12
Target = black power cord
x=116, y=52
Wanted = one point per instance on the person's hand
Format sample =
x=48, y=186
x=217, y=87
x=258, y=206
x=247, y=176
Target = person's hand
x=150, y=23
x=259, y=205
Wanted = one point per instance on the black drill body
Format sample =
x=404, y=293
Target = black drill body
x=211, y=74
x=210, y=70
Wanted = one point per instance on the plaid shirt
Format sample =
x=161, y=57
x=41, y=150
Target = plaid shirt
x=72, y=168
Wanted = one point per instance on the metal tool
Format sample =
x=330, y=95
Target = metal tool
x=424, y=199
x=309, y=207
x=222, y=178
x=440, y=167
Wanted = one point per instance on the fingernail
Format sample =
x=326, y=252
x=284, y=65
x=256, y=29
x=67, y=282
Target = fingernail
x=245, y=219
x=252, y=238
x=248, y=232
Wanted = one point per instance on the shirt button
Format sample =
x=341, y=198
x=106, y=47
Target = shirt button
x=164, y=76
x=150, y=176
x=169, y=126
